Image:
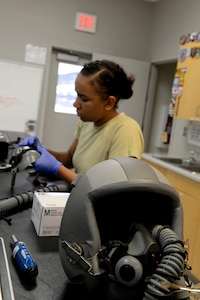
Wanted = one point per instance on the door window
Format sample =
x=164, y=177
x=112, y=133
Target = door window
x=65, y=88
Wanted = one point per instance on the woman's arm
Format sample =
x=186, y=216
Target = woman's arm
x=64, y=171
x=66, y=174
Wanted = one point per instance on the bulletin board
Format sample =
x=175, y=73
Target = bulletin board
x=20, y=90
x=186, y=85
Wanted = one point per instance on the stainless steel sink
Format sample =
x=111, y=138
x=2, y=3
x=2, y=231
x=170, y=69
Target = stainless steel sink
x=186, y=164
x=171, y=160
x=191, y=168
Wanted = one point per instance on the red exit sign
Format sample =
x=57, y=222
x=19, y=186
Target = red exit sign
x=85, y=22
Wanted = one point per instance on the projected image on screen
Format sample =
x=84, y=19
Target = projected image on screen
x=65, y=89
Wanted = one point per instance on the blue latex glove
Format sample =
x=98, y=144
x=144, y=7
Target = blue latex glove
x=46, y=163
x=31, y=141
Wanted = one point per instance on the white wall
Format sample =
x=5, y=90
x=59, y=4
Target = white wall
x=123, y=26
x=127, y=28
x=50, y=23
x=170, y=20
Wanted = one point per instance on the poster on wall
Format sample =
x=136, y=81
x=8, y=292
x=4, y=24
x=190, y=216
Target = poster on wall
x=20, y=90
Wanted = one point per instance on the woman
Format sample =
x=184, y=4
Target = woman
x=102, y=132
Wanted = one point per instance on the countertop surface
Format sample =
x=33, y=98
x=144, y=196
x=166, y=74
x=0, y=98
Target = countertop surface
x=155, y=159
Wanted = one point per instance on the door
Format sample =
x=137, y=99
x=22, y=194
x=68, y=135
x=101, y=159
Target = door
x=59, y=127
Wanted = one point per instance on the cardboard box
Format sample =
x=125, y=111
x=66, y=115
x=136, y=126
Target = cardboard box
x=47, y=211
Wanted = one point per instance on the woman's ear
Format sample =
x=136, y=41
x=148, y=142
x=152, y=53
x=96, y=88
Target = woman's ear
x=110, y=102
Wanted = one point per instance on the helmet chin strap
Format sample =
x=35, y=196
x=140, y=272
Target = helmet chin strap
x=74, y=255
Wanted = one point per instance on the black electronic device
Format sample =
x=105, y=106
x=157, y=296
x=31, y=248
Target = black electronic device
x=22, y=157
x=18, y=153
x=3, y=147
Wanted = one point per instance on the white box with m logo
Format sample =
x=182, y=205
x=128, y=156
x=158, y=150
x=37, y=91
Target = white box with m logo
x=47, y=211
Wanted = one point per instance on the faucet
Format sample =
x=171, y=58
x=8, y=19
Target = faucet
x=192, y=153
x=191, y=159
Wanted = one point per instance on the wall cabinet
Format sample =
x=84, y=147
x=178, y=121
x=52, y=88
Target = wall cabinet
x=189, y=192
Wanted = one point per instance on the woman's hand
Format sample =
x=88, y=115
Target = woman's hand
x=31, y=141
x=46, y=163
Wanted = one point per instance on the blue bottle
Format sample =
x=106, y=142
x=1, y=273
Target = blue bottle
x=24, y=262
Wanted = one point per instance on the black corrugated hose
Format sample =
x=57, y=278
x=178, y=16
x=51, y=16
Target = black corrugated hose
x=171, y=267
x=18, y=200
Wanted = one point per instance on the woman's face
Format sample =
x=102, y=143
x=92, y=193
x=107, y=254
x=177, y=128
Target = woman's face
x=90, y=106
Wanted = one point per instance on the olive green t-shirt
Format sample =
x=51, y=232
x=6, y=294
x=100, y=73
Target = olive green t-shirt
x=119, y=137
